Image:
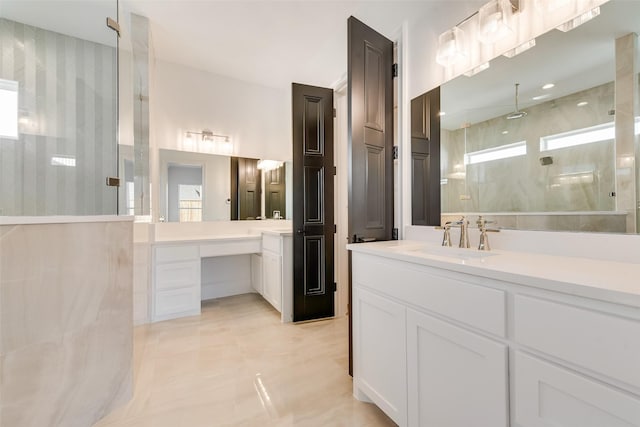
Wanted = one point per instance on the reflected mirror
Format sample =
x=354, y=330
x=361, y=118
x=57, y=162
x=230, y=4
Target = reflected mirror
x=209, y=187
x=542, y=141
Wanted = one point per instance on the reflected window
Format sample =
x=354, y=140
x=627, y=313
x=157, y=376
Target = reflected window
x=190, y=203
x=497, y=153
x=8, y=109
x=599, y=133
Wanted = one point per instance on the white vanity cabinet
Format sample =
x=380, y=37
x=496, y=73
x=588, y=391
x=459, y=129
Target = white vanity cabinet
x=176, y=281
x=277, y=272
x=455, y=344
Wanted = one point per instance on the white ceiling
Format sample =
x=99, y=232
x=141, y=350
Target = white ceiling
x=272, y=43
x=269, y=42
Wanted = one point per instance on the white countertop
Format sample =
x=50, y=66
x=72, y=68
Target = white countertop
x=610, y=281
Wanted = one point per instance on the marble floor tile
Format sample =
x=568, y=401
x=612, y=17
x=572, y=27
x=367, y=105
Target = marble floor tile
x=237, y=365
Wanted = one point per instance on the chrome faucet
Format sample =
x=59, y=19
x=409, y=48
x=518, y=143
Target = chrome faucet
x=484, y=238
x=464, y=233
x=446, y=239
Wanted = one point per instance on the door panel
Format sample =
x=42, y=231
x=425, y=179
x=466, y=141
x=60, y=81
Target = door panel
x=370, y=133
x=275, y=192
x=455, y=378
x=425, y=159
x=246, y=182
x=313, y=274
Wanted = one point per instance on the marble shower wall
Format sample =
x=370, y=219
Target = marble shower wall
x=523, y=184
x=66, y=330
x=67, y=108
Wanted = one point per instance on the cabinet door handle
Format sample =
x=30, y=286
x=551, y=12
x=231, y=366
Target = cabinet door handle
x=300, y=232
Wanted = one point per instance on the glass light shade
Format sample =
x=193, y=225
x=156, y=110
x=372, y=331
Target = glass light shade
x=495, y=21
x=576, y=22
x=451, y=47
x=551, y=5
x=519, y=49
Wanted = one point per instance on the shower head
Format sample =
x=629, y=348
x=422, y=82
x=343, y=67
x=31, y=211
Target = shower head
x=517, y=114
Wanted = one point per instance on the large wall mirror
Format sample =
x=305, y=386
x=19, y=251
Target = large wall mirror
x=209, y=187
x=542, y=141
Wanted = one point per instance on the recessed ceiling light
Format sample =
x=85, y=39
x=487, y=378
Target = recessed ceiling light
x=539, y=97
x=442, y=113
x=548, y=86
x=504, y=132
x=582, y=103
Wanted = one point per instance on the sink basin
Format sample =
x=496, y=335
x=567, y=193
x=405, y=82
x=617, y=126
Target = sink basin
x=458, y=253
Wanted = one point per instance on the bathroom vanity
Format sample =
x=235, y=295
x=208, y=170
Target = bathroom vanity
x=177, y=278
x=457, y=337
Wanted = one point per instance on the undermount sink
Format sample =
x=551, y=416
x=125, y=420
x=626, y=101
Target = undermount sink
x=448, y=252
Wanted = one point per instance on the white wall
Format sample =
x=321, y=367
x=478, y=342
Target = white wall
x=254, y=116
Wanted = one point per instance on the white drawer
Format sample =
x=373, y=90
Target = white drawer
x=176, y=253
x=176, y=303
x=478, y=306
x=271, y=243
x=603, y=343
x=230, y=247
x=177, y=275
x=546, y=395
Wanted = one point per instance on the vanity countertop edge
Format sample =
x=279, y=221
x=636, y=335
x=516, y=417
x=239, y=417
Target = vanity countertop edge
x=615, y=282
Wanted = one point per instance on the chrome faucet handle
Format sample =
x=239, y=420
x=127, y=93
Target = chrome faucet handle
x=484, y=240
x=464, y=233
x=446, y=239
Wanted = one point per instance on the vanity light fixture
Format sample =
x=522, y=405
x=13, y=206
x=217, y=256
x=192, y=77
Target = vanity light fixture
x=207, y=135
x=268, y=165
x=495, y=21
x=576, y=22
x=549, y=6
x=477, y=70
x=519, y=49
x=451, y=47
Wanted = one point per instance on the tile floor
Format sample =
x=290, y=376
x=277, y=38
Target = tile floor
x=237, y=365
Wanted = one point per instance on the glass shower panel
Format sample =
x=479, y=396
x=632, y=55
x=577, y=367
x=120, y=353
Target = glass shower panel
x=59, y=61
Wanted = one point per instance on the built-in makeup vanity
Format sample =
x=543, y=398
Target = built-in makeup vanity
x=181, y=279
x=460, y=337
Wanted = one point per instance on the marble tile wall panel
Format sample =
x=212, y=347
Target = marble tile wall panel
x=67, y=108
x=66, y=322
x=626, y=92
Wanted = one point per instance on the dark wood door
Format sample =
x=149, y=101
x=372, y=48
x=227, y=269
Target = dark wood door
x=370, y=99
x=370, y=79
x=425, y=159
x=246, y=187
x=313, y=226
x=274, y=189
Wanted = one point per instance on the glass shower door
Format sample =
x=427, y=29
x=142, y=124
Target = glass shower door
x=58, y=101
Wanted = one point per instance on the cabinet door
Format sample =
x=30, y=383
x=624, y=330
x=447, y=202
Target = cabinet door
x=549, y=396
x=379, y=352
x=456, y=378
x=272, y=279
